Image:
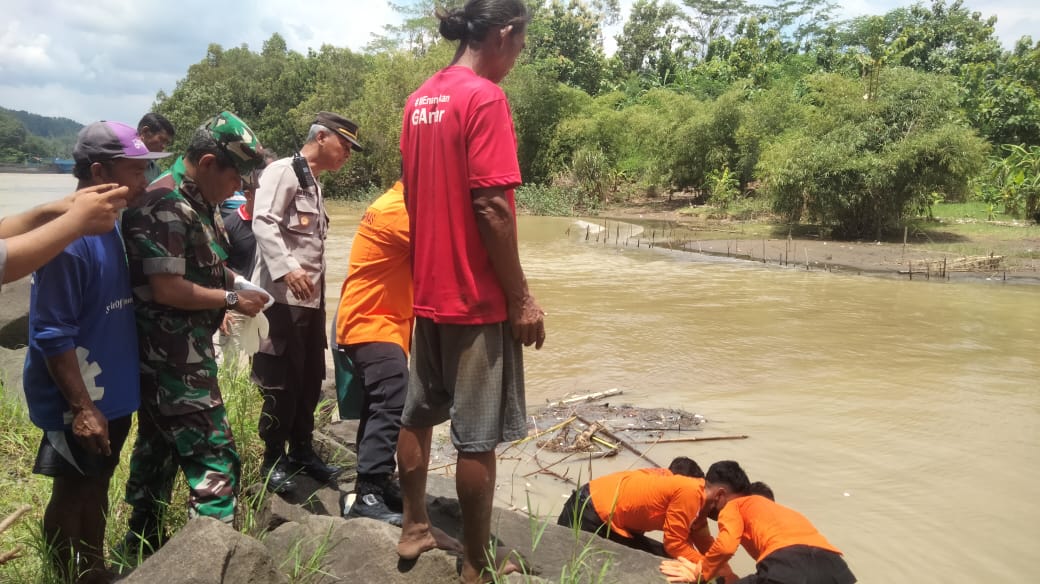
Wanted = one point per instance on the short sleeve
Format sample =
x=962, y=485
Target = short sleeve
x=58, y=289
x=491, y=146
x=157, y=236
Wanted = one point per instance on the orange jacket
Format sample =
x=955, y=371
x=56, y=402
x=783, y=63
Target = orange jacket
x=653, y=499
x=762, y=527
x=375, y=303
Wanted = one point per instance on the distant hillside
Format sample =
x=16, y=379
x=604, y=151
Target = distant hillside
x=31, y=137
x=44, y=126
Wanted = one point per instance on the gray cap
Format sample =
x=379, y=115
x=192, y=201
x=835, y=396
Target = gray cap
x=108, y=140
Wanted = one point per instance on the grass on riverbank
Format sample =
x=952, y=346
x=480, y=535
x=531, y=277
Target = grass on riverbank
x=19, y=440
x=958, y=229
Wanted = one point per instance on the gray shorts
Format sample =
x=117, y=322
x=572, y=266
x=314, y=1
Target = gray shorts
x=472, y=375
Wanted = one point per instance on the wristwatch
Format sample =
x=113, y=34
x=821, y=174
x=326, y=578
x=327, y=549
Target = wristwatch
x=230, y=298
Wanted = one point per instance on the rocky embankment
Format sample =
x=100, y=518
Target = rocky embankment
x=309, y=542
x=301, y=537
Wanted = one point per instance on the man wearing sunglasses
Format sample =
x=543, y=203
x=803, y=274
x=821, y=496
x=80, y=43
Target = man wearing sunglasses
x=176, y=250
x=290, y=226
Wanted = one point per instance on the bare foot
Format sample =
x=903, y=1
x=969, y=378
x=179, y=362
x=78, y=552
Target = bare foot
x=506, y=562
x=418, y=539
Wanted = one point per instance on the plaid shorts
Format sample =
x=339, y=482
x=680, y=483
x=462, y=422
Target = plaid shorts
x=472, y=375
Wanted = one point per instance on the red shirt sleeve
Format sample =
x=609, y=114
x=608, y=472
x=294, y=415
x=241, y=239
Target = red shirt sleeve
x=491, y=146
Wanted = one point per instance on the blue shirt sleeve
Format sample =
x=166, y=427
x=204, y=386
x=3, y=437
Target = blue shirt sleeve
x=58, y=292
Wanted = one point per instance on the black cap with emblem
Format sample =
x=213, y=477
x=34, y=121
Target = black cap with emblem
x=340, y=125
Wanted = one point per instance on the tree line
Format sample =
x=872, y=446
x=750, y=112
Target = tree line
x=852, y=125
x=26, y=137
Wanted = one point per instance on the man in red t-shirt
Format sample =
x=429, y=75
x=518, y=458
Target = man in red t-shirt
x=472, y=306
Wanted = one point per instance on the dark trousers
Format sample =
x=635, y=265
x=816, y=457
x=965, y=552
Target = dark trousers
x=578, y=509
x=383, y=368
x=801, y=564
x=289, y=370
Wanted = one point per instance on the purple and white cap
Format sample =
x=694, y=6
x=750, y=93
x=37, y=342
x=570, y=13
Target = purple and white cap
x=107, y=140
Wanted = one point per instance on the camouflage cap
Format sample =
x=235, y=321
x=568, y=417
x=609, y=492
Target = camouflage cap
x=237, y=140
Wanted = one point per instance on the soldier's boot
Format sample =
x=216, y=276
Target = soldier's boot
x=371, y=500
x=274, y=471
x=303, y=458
x=144, y=536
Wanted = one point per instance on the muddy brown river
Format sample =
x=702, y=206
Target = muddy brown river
x=903, y=418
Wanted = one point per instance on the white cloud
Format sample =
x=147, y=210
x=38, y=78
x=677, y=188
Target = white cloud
x=109, y=58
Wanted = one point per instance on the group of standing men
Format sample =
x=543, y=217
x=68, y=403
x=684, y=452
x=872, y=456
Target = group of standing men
x=449, y=230
x=122, y=320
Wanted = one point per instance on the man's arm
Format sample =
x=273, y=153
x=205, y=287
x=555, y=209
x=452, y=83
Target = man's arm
x=173, y=290
x=33, y=218
x=94, y=211
x=89, y=425
x=731, y=528
x=497, y=229
x=680, y=515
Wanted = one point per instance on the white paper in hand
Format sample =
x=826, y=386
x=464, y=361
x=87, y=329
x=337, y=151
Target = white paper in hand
x=243, y=284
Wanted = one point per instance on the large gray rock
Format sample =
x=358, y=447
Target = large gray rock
x=329, y=550
x=14, y=314
x=276, y=511
x=546, y=547
x=207, y=551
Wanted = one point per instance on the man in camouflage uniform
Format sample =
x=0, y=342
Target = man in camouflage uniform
x=176, y=246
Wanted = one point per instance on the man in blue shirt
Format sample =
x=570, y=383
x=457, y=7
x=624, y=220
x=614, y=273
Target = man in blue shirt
x=81, y=375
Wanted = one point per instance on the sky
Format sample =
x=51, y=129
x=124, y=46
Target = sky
x=107, y=59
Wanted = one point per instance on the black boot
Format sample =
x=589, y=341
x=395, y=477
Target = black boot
x=143, y=538
x=303, y=458
x=392, y=494
x=274, y=472
x=370, y=503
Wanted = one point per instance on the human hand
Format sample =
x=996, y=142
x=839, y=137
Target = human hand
x=528, y=322
x=225, y=325
x=300, y=284
x=250, y=302
x=90, y=428
x=94, y=210
x=680, y=570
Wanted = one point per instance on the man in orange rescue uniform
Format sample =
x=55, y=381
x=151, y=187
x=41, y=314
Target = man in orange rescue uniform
x=786, y=547
x=374, y=327
x=624, y=505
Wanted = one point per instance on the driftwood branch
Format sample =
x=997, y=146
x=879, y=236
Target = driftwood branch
x=13, y=517
x=559, y=426
x=623, y=443
x=4, y=526
x=584, y=440
x=704, y=439
x=586, y=398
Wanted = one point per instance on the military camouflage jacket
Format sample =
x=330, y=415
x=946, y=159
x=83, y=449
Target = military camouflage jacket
x=171, y=229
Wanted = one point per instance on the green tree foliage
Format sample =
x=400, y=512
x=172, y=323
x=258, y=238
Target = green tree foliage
x=860, y=165
x=564, y=42
x=849, y=124
x=651, y=42
x=34, y=138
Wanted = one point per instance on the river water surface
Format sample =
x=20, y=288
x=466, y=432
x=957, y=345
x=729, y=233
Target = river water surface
x=902, y=418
